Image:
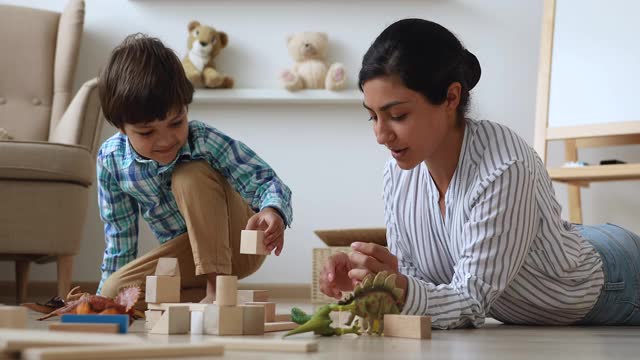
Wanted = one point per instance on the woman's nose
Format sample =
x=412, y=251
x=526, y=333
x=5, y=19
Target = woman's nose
x=382, y=132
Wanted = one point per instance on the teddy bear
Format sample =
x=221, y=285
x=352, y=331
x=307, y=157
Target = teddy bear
x=310, y=71
x=203, y=45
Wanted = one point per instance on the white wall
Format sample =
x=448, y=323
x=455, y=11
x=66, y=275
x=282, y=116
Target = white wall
x=326, y=154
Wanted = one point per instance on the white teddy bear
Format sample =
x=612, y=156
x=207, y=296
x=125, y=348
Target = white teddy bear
x=309, y=50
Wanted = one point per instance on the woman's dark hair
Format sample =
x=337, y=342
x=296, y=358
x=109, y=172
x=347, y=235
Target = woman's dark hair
x=426, y=57
x=142, y=81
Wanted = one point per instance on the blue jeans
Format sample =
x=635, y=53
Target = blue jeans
x=619, y=301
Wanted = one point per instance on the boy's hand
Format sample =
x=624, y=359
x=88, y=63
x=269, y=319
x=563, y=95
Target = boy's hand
x=269, y=221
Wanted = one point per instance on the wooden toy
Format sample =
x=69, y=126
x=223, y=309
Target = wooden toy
x=407, y=326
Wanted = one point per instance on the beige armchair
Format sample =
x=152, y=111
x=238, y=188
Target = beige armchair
x=48, y=166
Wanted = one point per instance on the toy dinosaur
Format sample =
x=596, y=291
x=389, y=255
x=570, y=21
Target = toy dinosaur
x=85, y=303
x=371, y=300
x=319, y=322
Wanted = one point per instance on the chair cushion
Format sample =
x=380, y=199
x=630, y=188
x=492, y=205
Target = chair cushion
x=30, y=160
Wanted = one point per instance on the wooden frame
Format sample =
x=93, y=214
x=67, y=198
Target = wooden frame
x=575, y=137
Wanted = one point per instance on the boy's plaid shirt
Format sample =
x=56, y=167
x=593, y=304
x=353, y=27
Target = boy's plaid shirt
x=129, y=184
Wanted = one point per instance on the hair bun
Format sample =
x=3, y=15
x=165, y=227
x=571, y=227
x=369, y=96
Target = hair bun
x=472, y=69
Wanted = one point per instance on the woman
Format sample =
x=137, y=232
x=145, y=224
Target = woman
x=473, y=226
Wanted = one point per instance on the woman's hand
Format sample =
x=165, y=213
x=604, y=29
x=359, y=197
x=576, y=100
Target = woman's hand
x=334, y=277
x=372, y=258
x=269, y=221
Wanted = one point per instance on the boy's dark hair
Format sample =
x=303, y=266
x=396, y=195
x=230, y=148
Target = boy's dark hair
x=426, y=57
x=142, y=81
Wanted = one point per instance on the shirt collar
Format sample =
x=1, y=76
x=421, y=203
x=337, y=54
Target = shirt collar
x=130, y=155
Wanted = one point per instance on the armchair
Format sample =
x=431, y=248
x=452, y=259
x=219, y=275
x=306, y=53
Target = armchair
x=47, y=167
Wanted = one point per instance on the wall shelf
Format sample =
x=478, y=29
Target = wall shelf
x=276, y=96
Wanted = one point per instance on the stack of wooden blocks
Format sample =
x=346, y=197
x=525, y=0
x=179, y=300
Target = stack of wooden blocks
x=164, y=288
x=235, y=312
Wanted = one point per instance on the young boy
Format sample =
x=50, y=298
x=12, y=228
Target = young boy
x=196, y=187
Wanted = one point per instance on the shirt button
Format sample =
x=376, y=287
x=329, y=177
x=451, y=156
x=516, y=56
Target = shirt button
x=36, y=101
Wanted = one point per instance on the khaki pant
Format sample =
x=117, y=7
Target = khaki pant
x=215, y=215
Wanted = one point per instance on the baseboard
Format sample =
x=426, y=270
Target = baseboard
x=49, y=288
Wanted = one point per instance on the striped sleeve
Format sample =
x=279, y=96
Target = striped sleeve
x=251, y=176
x=497, y=236
x=405, y=266
x=119, y=212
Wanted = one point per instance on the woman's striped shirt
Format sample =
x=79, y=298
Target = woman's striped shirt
x=502, y=249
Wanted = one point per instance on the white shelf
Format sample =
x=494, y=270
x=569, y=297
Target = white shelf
x=275, y=96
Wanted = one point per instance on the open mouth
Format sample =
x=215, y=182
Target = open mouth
x=398, y=152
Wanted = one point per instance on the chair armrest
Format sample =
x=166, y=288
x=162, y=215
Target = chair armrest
x=82, y=122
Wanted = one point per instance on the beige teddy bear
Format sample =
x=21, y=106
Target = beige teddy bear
x=203, y=45
x=309, y=50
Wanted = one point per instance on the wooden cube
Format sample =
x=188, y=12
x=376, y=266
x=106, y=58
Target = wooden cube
x=167, y=267
x=252, y=242
x=151, y=318
x=252, y=319
x=197, y=323
x=245, y=296
x=269, y=309
x=162, y=289
x=226, y=290
x=407, y=326
x=13, y=317
x=176, y=320
x=282, y=317
x=223, y=320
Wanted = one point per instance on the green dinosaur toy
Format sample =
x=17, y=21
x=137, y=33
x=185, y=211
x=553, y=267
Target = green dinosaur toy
x=371, y=300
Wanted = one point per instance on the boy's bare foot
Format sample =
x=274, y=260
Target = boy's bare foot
x=208, y=299
x=210, y=296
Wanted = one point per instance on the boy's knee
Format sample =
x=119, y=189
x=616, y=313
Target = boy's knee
x=191, y=173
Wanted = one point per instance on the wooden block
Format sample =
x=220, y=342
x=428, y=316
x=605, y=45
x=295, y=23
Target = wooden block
x=275, y=345
x=125, y=351
x=167, y=267
x=407, y=326
x=121, y=320
x=13, y=317
x=151, y=318
x=252, y=296
x=165, y=306
x=252, y=319
x=174, y=321
x=279, y=326
x=14, y=340
x=162, y=289
x=282, y=317
x=226, y=290
x=269, y=310
x=197, y=323
x=92, y=328
x=223, y=320
x=252, y=242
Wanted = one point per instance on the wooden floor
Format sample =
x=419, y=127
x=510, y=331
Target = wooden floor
x=493, y=341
